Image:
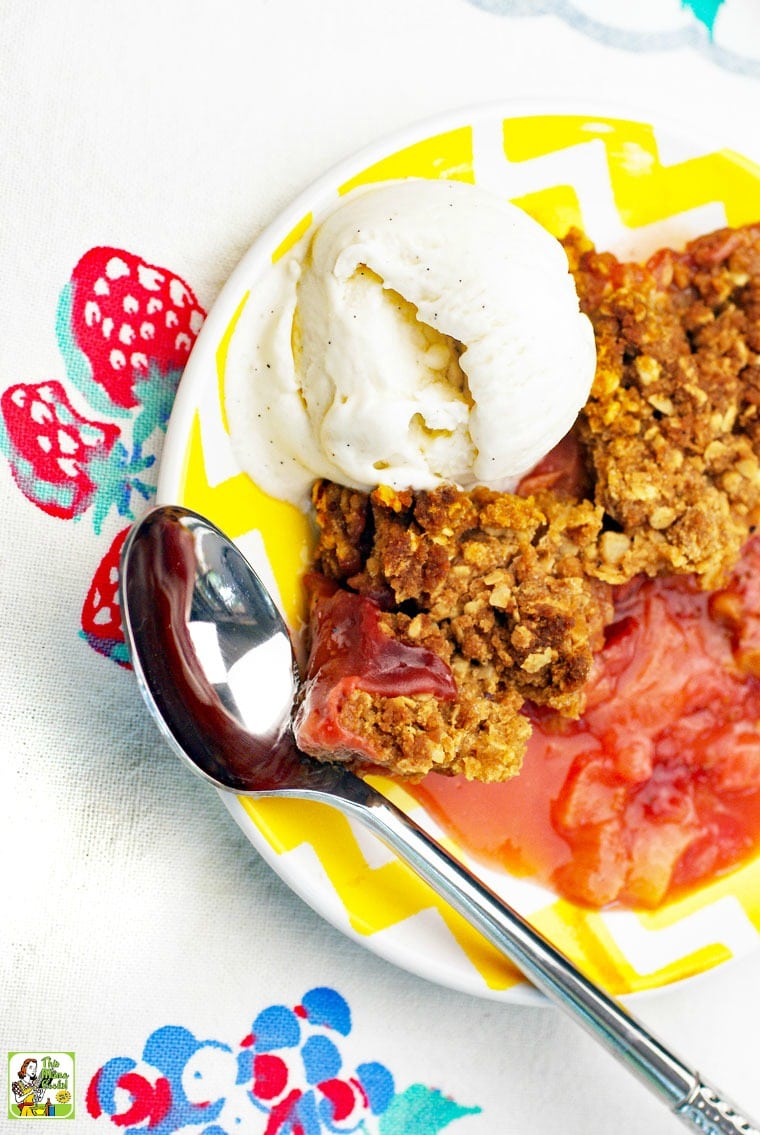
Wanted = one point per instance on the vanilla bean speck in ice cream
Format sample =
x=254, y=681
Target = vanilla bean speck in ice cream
x=427, y=331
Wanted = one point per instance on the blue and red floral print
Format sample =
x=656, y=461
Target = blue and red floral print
x=287, y=1076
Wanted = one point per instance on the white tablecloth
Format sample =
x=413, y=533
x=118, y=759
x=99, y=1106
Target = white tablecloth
x=140, y=930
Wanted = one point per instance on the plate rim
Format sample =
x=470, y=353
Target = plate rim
x=196, y=375
x=283, y=223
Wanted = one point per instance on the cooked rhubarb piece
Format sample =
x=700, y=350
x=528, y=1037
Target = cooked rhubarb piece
x=656, y=788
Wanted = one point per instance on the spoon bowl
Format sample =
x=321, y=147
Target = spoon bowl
x=215, y=664
x=213, y=656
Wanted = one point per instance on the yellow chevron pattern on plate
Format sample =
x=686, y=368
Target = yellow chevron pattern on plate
x=564, y=169
x=644, y=188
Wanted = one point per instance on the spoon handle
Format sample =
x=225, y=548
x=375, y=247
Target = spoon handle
x=707, y=1111
x=679, y=1086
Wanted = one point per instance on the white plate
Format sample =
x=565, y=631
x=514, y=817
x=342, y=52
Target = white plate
x=633, y=187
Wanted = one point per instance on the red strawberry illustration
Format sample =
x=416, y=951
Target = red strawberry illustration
x=126, y=328
x=62, y=462
x=101, y=614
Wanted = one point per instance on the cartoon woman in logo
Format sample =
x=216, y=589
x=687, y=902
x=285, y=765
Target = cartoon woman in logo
x=28, y=1089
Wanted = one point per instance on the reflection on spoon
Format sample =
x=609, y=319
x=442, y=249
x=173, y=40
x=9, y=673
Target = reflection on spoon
x=214, y=661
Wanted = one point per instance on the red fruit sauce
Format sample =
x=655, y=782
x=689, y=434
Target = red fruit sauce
x=656, y=789
x=350, y=651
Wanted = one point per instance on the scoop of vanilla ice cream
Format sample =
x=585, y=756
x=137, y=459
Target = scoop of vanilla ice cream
x=433, y=335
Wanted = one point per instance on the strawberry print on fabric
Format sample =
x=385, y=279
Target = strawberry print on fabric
x=87, y=446
x=288, y=1076
x=64, y=462
x=125, y=329
x=101, y=615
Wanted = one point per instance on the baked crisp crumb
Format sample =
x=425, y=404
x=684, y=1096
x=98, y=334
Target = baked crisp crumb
x=513, y=592
x=671, y=429
x=495, y=586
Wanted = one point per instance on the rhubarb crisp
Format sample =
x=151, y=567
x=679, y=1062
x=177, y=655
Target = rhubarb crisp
x=445, y=622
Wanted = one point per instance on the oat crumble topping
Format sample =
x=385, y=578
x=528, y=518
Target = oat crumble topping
x=513, y=592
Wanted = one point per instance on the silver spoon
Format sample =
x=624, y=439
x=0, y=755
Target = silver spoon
x=214, y=661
